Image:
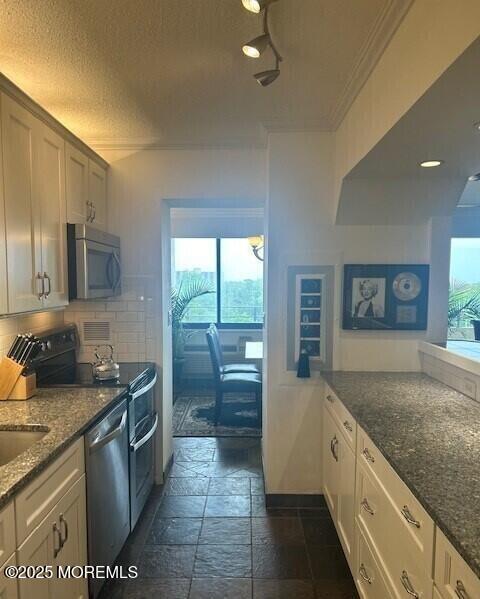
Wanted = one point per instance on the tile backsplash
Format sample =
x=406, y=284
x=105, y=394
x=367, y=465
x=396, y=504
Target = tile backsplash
x=462, y=380
x=132, y=317
x=36, y=322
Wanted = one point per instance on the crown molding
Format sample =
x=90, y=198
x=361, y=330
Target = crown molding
x=136, y=144
x=382, y=32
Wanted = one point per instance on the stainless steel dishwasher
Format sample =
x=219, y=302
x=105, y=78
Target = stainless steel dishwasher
x=108, y=496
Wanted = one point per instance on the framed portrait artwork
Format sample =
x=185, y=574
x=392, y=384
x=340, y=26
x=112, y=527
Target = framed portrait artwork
x=385, y=296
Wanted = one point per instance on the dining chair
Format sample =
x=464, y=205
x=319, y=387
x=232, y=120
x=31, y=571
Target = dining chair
x=229, y=368
x=234, y=382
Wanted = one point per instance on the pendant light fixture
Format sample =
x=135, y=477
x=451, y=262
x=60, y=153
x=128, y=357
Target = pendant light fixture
x=258, y=45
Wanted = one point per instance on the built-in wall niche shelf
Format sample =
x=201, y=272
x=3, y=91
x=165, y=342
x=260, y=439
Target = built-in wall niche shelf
x=310, y=316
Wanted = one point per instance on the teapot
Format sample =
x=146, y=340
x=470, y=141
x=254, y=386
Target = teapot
x=105, y=368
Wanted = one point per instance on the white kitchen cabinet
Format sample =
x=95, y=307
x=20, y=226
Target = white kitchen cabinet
x=330, y=463
x=8, y=541
x=339, y=481
x=22, y=213
x=76, y=173
x=49, y=186
x=453, y=578
x=3, y=246
x=8, y=586
x=368, y=574
x=97, y=194
x=59, y=540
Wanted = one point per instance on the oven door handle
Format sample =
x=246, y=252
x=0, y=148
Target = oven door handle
x=117, y=431
x=144, y=390
x=136, y=446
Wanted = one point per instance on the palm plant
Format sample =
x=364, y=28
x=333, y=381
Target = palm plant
x=463, y=304
x=188, y=290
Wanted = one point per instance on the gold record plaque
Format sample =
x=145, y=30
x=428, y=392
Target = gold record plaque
x=406, y=286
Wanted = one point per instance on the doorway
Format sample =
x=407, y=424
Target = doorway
x=216, y=280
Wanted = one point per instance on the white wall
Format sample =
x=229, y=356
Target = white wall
x=301, y=231
x=140, y=183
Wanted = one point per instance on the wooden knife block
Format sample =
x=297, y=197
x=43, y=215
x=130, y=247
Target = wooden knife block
x=13, y=384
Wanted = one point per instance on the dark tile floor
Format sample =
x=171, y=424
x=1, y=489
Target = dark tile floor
x=207, y=534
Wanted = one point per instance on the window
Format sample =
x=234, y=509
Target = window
x=232, y=272
x=464, y=299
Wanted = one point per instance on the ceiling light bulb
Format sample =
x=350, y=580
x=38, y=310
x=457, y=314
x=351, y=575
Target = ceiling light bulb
x=254, y=48
x=252, y=5
x=477, y=125
x=431, y=163
x=256, y=6
x=267, y=77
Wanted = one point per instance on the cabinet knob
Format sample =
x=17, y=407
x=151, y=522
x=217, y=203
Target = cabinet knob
x=348, y=426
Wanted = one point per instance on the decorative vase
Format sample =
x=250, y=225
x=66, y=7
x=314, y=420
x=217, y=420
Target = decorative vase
x=303, y=370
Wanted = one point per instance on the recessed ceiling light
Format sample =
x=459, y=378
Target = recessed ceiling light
x=431, y=163
x=477, y=125
x=474, y=177
x=254, y=48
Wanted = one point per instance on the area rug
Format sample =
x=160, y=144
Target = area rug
x=193, y=416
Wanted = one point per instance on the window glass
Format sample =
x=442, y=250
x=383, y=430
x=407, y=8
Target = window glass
x=241, y=283
x=194, y=266
x=464, y=299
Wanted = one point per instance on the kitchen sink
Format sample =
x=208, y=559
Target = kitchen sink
x=15, y=442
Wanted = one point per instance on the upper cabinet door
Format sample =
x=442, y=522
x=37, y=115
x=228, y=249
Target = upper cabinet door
x=97, y=194
x=3, y=248
x=49, y=188
x=22, y=216
x=76, y=168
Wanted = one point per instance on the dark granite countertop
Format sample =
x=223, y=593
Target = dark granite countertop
x=430, y=434
x=64, y=412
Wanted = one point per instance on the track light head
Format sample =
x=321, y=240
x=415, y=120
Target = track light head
x=255, y=47
x=256, y=6
x=267, y=77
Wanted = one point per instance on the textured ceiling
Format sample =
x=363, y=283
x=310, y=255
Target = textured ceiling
x=171, y=72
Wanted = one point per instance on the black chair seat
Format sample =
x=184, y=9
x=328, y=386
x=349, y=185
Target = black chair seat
x=243, y=379
x=232, y=368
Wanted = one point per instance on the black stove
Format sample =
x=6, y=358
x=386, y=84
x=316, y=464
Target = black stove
x=57, y=366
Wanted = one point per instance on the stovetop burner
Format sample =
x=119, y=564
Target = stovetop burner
x=81, y=375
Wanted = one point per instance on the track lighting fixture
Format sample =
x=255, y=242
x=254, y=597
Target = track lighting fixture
x=267, y=77
x=258, y=45
x=254, y=48
x=256, y=6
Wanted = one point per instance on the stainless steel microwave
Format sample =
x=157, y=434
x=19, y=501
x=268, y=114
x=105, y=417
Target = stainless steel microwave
x=94, y=266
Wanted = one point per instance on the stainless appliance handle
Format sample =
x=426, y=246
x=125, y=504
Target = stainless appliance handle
x=102, y=441
x=119, y=267
x=136, y=446
x=145, y=389
x=108, y=273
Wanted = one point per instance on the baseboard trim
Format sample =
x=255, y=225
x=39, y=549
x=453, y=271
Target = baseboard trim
x=168, y=467
x=279, y=500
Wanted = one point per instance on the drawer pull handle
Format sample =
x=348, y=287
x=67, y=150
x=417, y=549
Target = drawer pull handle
x=408, y=517
x=461, y=591
x=348, y=426
x=364, y=574
x=366, y=506
x=368, y=456
x=63, y=523
x=407, y=585
x=56, y=532
x=333, y=447
x=330, y=398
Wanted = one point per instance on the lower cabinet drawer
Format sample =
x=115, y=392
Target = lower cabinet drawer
x=368, y=577
x=407, y=565
x=453, y=578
